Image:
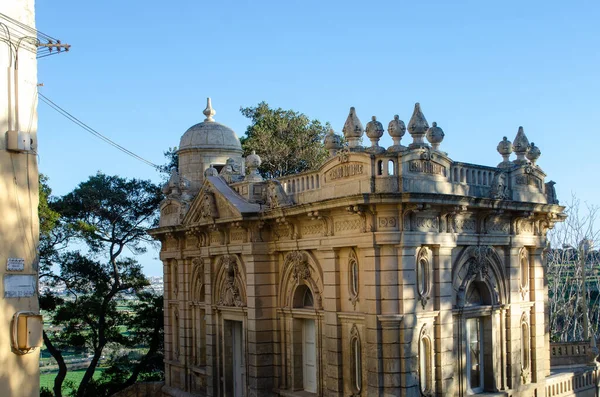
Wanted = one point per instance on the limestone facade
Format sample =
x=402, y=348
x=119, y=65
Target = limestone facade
x=396, y=272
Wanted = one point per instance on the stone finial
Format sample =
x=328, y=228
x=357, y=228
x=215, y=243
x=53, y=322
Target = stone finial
x=534, y=153
x=417, y=127
x=435, y=136
x=374, y=131
x=505, y=148
x=209, y=112
x=211, y=171
x=171, y=188
x=253, y=161
x=521, y=146
x=353, y=130
x=332, y=142
x=396, y=129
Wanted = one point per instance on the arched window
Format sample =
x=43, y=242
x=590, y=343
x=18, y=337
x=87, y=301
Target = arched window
x=380, y=167
x=356, y=365
x=353, y=284
x=303, y=297
x=425, y=365
x=391, y=167
x=424, y=275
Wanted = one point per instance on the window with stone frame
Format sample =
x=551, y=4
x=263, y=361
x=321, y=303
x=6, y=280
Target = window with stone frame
x=424, y=271
x=356, y=361
x=353, y=278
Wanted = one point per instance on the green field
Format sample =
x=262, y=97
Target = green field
x=47, y=380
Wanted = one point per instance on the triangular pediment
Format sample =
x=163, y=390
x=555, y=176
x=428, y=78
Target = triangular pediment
x=215, y=202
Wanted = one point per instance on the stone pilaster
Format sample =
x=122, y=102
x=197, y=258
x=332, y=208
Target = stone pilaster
x=513, y=319
x=371, y=265
x=212, y=339
x=540, y=346
x=408, y=330
x=332, y=341
x=261, y=289
x=444, y=341
x=390, y=306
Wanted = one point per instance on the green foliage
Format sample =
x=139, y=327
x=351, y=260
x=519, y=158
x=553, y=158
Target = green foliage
x=48, y=217
x=287, y=142
x=106, y=214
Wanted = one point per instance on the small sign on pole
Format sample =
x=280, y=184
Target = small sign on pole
x=15, y=264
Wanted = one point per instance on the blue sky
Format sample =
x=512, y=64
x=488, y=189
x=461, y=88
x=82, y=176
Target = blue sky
x=140, y=72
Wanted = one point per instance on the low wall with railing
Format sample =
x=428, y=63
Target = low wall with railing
x=581, y=382
x=569, y=353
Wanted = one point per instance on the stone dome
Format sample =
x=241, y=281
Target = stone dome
x=210, y=135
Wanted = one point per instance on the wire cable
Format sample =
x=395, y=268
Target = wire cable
x=92, y=131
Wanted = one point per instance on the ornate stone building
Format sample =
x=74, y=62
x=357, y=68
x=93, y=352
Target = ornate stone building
x=396, y=272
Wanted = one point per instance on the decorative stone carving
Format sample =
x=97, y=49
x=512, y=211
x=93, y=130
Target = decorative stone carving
x=499, y=190
x=353, y=278
x=353, y=131
x=387, y=222
x=505, y=148
x=332, y=143
x=299, y=263
x=534, y=153
x=171, y=188
x=211, y=171
x=521, y=146
x=426, y=166
x=312, y=230
x=429, y=223
x=348, y=225
x=435, y=136
x=345, y=170
x=396, y=129
x=374, y=132
x=362, y=211
x=423, y=271
x=479, y=261
x=551, y=192
x=253, y=161
x=464, y=225
x=274, y=195
x=327, y=222
x=230, y=294
x=417, y=127
x=519, y=221
x=208, y=206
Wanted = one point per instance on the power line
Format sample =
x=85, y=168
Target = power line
x=92, y=131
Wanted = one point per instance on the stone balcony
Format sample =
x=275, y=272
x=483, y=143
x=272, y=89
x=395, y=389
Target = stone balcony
x=570, y=371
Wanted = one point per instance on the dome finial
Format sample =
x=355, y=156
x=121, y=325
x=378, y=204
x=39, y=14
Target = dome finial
x=209, y=112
